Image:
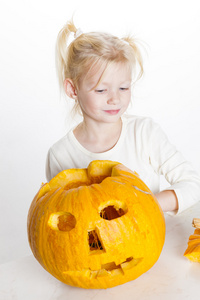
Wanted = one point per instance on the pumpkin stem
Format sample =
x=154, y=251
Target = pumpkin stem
x=196, y=223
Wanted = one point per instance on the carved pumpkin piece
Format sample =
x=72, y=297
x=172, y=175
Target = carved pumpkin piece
x=96, y=227
x=193, y=250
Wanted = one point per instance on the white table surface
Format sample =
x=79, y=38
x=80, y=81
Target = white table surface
x=172, y=277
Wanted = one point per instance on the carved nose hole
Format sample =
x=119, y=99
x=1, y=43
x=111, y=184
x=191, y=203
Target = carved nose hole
x=110, y=212
x=95, y=244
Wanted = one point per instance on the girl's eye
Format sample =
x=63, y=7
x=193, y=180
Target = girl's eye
x=100, y=91
x=124, y=89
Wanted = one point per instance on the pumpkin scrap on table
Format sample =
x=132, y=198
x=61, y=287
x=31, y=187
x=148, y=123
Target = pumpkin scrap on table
x=96, y=227
x=193, y=250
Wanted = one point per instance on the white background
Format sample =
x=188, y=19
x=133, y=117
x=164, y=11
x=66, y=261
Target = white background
x=33, y=115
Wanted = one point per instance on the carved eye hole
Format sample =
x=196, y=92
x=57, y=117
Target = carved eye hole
x=110, y=213
x=113, y=210
x=62, y=221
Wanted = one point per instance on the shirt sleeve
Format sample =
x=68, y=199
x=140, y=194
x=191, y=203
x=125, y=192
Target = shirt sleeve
x=167, y=161
x=52, y=165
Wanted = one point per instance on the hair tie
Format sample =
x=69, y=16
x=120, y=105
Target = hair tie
x=78, y=33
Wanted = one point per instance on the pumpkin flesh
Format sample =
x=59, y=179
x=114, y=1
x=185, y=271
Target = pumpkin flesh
x=193, y=250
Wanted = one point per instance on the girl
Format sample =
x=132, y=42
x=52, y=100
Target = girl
x=97, y=71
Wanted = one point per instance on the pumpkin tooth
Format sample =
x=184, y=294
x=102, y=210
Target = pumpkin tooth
x=102, y=273
x=110, y=266
x=129, y=264
x=117, y=272
x=93, y=274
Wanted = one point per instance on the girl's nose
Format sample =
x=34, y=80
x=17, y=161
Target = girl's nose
x=113, y=98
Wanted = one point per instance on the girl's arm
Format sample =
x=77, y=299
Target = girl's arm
x=167, y=200
x=184, y=189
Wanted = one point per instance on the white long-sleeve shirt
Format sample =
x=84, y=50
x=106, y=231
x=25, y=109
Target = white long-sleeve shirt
x=142, y=147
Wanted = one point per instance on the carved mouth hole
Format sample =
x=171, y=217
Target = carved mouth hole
x=94, y=241
x=110, y=212
x=112, y=266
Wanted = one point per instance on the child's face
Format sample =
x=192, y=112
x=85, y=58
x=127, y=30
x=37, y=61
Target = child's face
x=110, y=98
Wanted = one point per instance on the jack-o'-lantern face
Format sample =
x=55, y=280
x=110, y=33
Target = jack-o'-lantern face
x=97, y=227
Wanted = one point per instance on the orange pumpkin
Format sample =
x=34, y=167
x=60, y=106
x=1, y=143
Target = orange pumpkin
x=97, y=227
x=193, y=250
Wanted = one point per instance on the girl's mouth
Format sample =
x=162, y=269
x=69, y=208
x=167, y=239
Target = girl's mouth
x=112, y=111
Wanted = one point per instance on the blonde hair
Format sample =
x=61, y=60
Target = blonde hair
x=75, y=60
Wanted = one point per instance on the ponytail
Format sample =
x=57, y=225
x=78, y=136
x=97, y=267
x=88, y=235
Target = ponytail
x=62, y=50
x=137, y=53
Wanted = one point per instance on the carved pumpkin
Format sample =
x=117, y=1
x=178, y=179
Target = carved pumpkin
x=193, y=250
x=97, y=227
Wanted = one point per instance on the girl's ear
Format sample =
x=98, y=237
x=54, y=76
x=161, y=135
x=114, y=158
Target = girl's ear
x=70, y=89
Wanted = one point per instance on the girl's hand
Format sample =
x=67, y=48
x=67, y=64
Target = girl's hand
x=167, y=200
